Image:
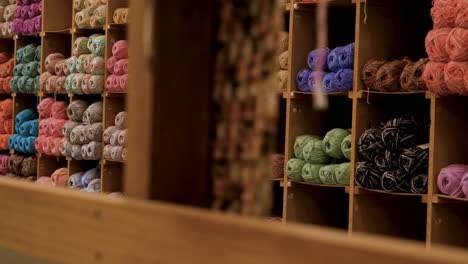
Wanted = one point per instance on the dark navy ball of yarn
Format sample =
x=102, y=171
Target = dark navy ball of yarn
x=333, y=59
x=312, y=77
x=313, y=58
x=346, y=57
x=302, y=80
x=344, y=79
x=329, y=82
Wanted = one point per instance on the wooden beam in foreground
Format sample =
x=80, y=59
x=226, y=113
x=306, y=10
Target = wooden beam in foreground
x=63, y=226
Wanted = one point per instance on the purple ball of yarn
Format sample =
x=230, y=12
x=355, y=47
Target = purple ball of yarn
x=346, y=57
x=329, y=82
x=449, y=180
x=24, y=12
x=464, y=184
x=313, y=58
x=17, y=26
x=312, y=77
x=302, y=80
x=344, y=80
x=333, y=59
x=35, y=10
x=37, y=24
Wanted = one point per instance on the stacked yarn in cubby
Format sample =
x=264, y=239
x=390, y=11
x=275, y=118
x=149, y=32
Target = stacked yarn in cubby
x=26, y=72
x=27, y=130
x=120, y=16
x=394, y=156
x=28, y=17
x=115, y=138
x=6, y=122
x=321, y=160
x=283, y=72
x=4, y=164
x=336, y=70
x=394, y=75
x=22, y=166
x=83, y=131
x=7, y=15
x=53, y=79
x=447, y=47
x=59, y=178
x=7, y=63
x=85, y=69
x=90, y=13
x=453, y=181
x=88, y=181
x=117, y=66
x=53, y=118
x=277, y=161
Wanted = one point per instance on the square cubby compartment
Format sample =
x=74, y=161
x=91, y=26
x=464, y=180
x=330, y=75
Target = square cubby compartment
x=449, y=223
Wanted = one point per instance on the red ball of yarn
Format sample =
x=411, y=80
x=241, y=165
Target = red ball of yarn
x=45, y=106
x=436, y=41
x=454, y=73
x=444, y=3
x=461, y=20
x=457, y=44
x=434, y=77
x=444, y=17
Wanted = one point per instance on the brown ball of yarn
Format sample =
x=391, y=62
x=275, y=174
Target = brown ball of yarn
x=283, y=41
x=283, y=60
x=387, y=78
x=278, y=165
x=369, y=72
x=15, y=163
x=29, y=166
x=411, y=76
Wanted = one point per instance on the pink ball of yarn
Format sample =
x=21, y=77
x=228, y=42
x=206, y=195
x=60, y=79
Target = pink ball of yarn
x=43, y=79
x=434, y=76
x=45, y=181
x=454, y=73
x=449, y=180
x=110, y=83
x=55, y=127
x=59, y=110
x=44, y=108
x=444, y=17
x=120, y=49
x=111, y=64
x=4, y=159
x=39, y=143
x=457, y=44
x=47, y=145
x=56, y=145
x=121, y=67
x=44, y=126
x=444, y=3
x=60, y=177
x=122, y=82
x=461, y=20
x=60, y=84
x=436, y=41
x=464, y=184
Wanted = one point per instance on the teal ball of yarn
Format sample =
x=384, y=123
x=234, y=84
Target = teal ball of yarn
x=294, y=169
x=37, y=83
x=327, y=174
x=38, y=53
x=14, y=84
x=22, y=84
x=30, y=69
x=18, y=70
x=313, y=152
x=311, y=173
x=346, y=147
x=332, y=142
x=342, y=173
x=29, y=53
x=300, y=143
x=29, y=86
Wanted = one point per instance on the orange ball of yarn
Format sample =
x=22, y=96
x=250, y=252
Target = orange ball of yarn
x=444, y=17
x=4, y=141
x=436, y=41
x=6, y=108
x=434, y=78
x=461, y=20
x=454, y=74
x=457, y=44
x=387, y=78
x=6, y=85
x=8, y=125
x=60, y=177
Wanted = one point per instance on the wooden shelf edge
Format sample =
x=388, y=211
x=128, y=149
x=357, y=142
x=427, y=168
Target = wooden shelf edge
x=442, y=198
x=365, y=191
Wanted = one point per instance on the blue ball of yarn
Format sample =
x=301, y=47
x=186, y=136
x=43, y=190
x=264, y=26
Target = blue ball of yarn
x=26, y=115
x=302, y=80
x=22, y=84
x=344, y=79
x=29, y=146
x=34, y=131
x=21, y=141
x=18, y=70
x=12, y=141
x=330, y=83
x=312, y=58
x=24, y=128
x=89, y=176
x=312, y=77
x=346, y=57
x=30, y=69
x=333, y=59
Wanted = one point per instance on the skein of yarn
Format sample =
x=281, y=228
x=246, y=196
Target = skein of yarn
x=449, y=180
x=454, y=73
x=332, y=142
x=277, y=161
x=436, y=41
x=294, y=169
x=387, y=78
x=457, y=41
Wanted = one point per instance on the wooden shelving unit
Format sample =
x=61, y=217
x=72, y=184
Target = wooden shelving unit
x=387, y=29
x=57, y=36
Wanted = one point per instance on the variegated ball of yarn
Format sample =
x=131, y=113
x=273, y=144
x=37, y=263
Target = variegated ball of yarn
x=444, y=17
x=436, y=46
x=94, y=186
x=78, y=5
x=60, y=84
x=51, y=61
x=87, y=59
x=122, y=139
x=76, y=135
x=108, y=132
x=434, y=76
x=85, y=83
x=71, y=64
x=76, y=109
x=111, y=64
x=66, y=148
x=457, y=43
x=82, y=18
x=116, y=153
x=94, y=150
x=68, y=127
x=59, y=67
x=98, y=66
x=60, y=177
x=43, y=78
x=59, y=110
x=106, y=152
x=124, y=154
x=120, y=49
x=93, y=113
x=99, y=45
x=454, y=73
x=369, y=72
x=76, y=152
x=51, y=83
x=90, y=42
x=94, y=132
x=411, y=77
x=114, y=139
x=121, y=120
x=96, y=84
x=92, y=4
x=99, y=16
x=30, y=69
x=69, y=82
x=80, y=63
x=44, y=108
x=387, y=78
x=89, y=176
x=74, y=181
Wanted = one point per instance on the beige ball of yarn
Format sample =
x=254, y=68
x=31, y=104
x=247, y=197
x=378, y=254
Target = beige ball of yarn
x=283, y=80
x=283, y=60
x=283, y=41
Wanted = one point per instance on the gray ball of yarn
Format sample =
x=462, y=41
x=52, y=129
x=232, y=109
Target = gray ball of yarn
x=122, y=139
x=93, y=150
x=346, y=147
x=121, y=120
x=294, y=169
x=332, y=142
x=94, y=186
x=116, y=153
x=300, y=143
x=108, y=132
x=311, y=173
x=342, y=173
x=327, y=174
x=94, y=132
x=84, y=151
x=66, y=148
x=76, y=152
x=313, y=152
x=75, y=180
x=76, y=109
x=83, y=134
x=75, y=135
x=68, y=127
x=93, y=114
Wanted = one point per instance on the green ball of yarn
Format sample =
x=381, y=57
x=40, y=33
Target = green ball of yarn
x=313, y=152
x=37, y=83
x=22, y=84
x=342, y=173
x=332, y=142
x=29, y=85
x=18, y=70
x=346, y=147
x=327, y=174
x=14, y=84
x=294, y=169
x=300, y=143
x=311, y=173
x=29, y=53
x=30, y=69
x=37, y=55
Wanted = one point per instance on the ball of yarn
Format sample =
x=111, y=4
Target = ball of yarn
x=387, y=78
x=121, y=120
x=311, y=173
x=120, y=49
x=122, y=138
x=367, y=175
x=29, y=166
x=300, y=143
x=51, y=60
x=436, y=41
x=313, y=59
x=66, y=148
x=454, y=73
x=68, y=127
x=277, y=161
x=434, y=77
x=116, y=153
x=314, y=153
x=99, y=44
x=124, y=154
x=97, y=66
x=294, y=169
x=283, y=80
x=457, y=41
x=444, y=17
x=302, y=79
x=342, y=173
x=333, y=59
x=80, y=46
x=395, y=181
x=75, y=181
x=313, y=77
x=44, y=108
x=283, y=41
x=89, y=176
x=121, y=67
x=332, y=142
x=327, y=174
x=94, y=186
x=93, y=113
x=403, y=132
x=344, y=79
x=75, y=135
x=330, y=83
x=464, y=184
x=76, y=109
x=106, y=152
x=449, y=180
x=419, y=183
x=346, y=57
x=108, y=132
x=346, y=147
x=283, y=60
x=93, y=150
x=59, y=110
x=411, y=76
x=370, y=144
x=76, y=152
x=111, y=64
x=25, y=115
x=114, y=139
x=60, y=177
x=461, y=20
